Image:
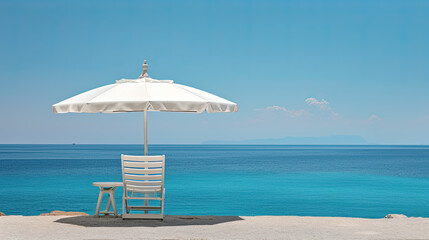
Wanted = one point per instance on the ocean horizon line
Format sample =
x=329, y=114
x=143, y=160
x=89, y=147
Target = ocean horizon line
x=216, y=144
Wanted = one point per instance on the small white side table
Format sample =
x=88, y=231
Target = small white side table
x=109, y=188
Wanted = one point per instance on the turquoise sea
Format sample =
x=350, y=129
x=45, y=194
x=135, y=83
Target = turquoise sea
x=349, y=181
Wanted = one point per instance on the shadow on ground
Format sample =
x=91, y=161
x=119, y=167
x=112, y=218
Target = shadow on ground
x=169, y=220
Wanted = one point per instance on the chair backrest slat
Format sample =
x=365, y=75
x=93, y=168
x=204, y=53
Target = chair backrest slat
x=143, y=158
x=143, y=178
x=143, y=183
x=144, y=190
x=143, y=173
x=143, y=164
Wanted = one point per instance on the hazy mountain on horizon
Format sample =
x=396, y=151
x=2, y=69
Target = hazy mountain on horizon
x=322, y=140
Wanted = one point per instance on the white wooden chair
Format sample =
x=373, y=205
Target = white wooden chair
x=143, y=178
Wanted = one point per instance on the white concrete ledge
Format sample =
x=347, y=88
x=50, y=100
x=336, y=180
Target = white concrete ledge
x=212, y=227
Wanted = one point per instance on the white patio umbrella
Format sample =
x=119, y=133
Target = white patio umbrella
x=142, y=95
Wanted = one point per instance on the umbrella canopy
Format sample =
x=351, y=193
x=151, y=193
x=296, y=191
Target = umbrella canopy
x=145, y=94
x=142, y=95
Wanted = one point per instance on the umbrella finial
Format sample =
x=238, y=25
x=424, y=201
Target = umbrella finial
x=145, y=67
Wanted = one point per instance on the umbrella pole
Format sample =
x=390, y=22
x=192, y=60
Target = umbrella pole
x=145, y=133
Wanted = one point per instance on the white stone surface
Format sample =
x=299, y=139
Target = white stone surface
x=212, y=227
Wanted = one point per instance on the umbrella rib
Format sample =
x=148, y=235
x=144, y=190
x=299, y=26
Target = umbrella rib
x=179, y=86
x=85, y=103
x=207, y=102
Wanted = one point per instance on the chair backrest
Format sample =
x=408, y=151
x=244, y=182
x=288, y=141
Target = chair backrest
x=143, y=174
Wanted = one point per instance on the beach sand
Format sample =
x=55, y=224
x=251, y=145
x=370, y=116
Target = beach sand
x=212, y=227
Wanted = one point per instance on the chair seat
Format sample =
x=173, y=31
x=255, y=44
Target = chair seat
x=142, y=208
x=143, y=198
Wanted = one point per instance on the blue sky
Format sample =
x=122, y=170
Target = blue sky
x=295, y=68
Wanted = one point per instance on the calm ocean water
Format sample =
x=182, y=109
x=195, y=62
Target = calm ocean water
x=350, y=181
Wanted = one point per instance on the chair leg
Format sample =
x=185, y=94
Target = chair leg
x=108, y=204
x=162, y=203
x=146, y=202
x=100, y=197
x=123, y=206
x=126, y=206
x=162, y=208
x=112, y=199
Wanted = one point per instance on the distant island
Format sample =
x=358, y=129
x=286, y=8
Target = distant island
x=322, y=140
